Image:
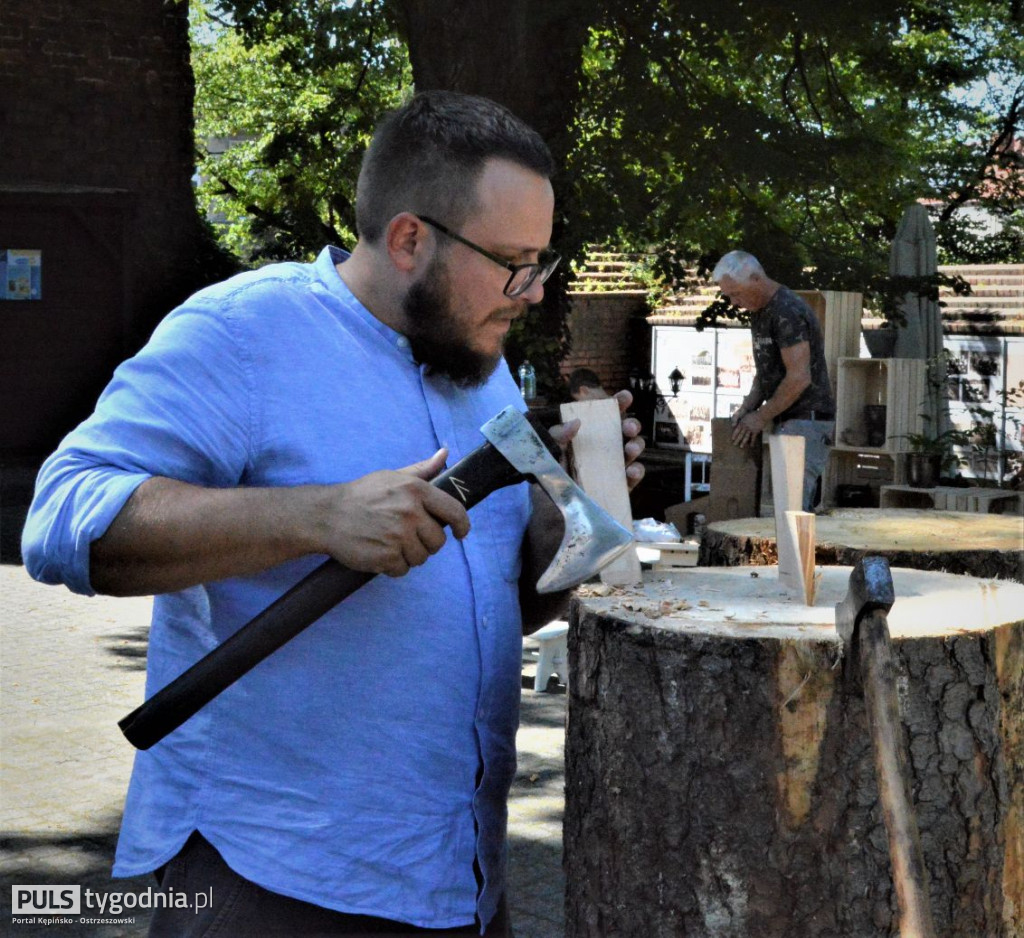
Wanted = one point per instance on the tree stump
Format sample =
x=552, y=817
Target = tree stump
x=953, y=541
x=719, y=770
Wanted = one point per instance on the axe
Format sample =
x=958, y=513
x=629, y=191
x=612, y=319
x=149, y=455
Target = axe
x=513, y=453
x=863, y=625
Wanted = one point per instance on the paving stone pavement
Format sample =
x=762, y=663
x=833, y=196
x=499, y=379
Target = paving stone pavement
x=71, y=666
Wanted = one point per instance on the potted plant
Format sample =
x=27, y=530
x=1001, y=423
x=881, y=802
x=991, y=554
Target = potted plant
x=932, y=455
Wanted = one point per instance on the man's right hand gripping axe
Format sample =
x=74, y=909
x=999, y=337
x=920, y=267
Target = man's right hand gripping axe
x=514, y=453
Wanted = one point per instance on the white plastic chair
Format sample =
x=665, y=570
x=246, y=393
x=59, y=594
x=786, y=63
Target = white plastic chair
x=553, y=657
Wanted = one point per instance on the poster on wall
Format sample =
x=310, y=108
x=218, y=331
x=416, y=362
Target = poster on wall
x=715, y=371
x=735, y=362
x=975, y=369
x=21, y=274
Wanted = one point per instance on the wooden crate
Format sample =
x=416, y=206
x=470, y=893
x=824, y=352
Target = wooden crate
x=839, y=315
x=948, y=498
x=896, y=383
x=851, y=467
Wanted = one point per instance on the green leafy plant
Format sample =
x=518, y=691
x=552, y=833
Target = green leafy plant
x=646, y=272
x=943, y=445
x=986, y=440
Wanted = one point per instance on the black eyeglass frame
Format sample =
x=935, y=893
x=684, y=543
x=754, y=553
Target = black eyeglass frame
x=542, y=269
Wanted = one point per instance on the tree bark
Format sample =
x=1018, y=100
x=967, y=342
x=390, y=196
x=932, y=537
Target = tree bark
x=719, y=769
x=527, y=55
x=957, y=542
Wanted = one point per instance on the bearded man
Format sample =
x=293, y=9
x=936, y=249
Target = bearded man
x=356, y=781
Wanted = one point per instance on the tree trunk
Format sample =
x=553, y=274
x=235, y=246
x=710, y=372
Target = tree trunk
x=957, y=542
x=527, y=55
x=719, y=769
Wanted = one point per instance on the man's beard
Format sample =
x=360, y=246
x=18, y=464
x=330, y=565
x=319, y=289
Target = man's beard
x=437, y=338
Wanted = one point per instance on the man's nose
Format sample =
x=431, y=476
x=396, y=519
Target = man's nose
x=534, y=293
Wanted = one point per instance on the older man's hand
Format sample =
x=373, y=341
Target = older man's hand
x=747, y=429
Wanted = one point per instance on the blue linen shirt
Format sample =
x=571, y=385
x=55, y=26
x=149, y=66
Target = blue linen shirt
x=365, y=765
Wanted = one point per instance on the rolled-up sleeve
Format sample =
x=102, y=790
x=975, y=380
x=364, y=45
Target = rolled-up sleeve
x=180, y=408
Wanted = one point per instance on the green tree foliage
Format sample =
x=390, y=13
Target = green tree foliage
x=798, y=130
x=528, y=56
x=295, y=89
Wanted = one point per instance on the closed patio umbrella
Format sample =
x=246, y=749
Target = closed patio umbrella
x=913, y=254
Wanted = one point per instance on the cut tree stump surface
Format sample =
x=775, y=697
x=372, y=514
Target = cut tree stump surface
x=921, y=539
x=719, y=770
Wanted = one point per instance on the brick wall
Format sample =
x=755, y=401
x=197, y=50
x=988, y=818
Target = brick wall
x=96, y=160
x=609, y=335
x=98, y=93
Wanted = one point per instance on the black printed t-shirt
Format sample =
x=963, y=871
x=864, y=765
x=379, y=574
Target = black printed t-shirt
x=785, y=321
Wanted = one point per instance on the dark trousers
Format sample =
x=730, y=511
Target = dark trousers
x=241, y=909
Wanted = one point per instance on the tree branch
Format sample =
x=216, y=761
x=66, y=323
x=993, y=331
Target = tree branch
x=1008, y=126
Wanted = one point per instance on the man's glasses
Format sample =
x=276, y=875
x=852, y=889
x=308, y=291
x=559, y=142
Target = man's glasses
x=522, y=276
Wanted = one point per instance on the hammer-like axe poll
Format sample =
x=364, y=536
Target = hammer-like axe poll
x=514, y=452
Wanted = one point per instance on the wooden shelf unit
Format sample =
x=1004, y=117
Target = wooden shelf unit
x=898, y=384
x=948, y=498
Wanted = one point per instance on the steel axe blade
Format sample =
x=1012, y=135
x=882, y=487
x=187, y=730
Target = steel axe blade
x=592, y=538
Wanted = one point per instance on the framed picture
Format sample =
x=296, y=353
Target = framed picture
x=21, y=272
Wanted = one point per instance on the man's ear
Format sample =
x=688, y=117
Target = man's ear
x=408, y=241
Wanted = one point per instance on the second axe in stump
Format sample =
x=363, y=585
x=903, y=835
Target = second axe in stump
x=862, y=623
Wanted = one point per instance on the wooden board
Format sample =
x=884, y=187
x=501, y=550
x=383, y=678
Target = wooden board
x=719, y=764
x=796, y=539
x=839, y=315
x=737, y=476
x=841, y=331
x=600, y=468
x=786, y=454
x=667, y=555
x=787, y=467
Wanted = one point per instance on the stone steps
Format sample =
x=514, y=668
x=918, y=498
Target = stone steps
x=607, y=272
x=978, y=270
x=997, y=290
x=996, y=300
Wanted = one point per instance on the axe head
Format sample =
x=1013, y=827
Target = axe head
x=870, y=589
x=593, y=538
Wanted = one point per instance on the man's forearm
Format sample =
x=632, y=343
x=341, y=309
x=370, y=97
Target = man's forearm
x=171, y=535
x=753, y=399
x=786, y=394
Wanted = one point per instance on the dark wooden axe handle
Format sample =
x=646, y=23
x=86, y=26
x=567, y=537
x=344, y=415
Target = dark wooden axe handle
x=878, y=675
x=470, y=480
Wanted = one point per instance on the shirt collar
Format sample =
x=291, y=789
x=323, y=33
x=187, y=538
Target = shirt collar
x=327, y=273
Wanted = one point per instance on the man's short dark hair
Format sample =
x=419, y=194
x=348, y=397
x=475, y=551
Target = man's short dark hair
x=426, y=158
x=583, y=378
